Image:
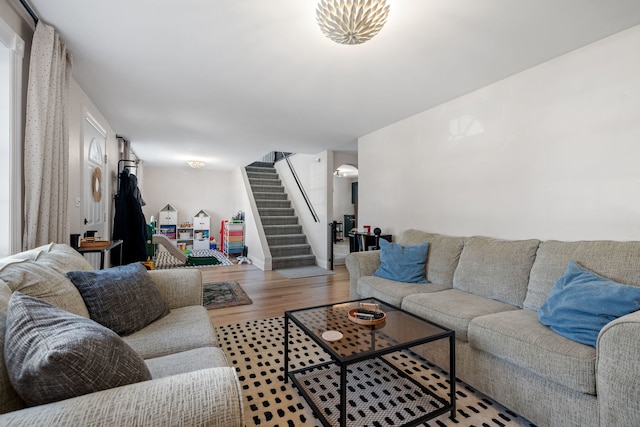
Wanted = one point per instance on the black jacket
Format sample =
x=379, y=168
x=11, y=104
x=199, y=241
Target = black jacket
x=129, y=224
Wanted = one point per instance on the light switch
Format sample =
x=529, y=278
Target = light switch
x=77, y=202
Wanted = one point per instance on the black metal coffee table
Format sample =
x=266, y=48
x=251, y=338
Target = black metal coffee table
x=360, y=351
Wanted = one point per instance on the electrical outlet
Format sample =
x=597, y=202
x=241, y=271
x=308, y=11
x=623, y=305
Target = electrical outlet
x=77, y=202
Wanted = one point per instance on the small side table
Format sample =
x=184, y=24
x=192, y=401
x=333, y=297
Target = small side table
x=363, y=241
x=102, y=251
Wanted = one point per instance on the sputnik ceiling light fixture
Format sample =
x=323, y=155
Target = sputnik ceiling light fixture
x=351, y=21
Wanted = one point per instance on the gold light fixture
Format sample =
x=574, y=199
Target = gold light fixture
x=196, y=164
x=351, y=21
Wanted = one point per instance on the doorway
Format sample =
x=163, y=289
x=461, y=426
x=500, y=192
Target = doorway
x=94, y=188
x=345, y=208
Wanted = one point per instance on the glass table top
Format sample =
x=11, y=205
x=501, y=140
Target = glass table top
x=400, y=329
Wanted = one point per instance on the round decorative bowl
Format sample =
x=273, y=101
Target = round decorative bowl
x=370, y=322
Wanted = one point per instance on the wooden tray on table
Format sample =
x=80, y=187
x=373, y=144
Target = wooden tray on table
x=94, y=244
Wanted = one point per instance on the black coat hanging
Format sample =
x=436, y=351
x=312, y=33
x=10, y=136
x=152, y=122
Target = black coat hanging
x=129, y=224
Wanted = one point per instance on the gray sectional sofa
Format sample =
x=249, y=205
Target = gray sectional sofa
x=488, y=291
x=191, y=382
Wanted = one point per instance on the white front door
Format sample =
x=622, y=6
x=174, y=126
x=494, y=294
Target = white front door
x=95, y=179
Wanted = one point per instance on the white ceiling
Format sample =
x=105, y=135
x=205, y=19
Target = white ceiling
x=227, y=81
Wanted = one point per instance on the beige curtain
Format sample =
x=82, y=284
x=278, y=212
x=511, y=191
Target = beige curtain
x=46, y=147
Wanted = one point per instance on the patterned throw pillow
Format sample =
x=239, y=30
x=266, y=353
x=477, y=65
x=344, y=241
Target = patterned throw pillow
x=52, y=354
x=124, y=299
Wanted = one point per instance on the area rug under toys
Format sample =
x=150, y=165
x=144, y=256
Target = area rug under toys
x=165, y=260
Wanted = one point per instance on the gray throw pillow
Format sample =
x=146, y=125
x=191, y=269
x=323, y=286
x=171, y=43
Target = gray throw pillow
x=52, y=354
x=125, y=299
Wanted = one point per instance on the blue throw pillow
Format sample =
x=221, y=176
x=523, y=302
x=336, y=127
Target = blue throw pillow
x=402, y=263
x=581, y=303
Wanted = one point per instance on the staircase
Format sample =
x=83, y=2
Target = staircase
x=287, y=242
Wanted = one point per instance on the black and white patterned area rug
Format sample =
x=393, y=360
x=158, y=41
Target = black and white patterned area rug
x=256, y=350
x=165, y=260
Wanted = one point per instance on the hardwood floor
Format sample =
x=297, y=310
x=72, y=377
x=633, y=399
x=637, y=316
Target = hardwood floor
x=272, y=293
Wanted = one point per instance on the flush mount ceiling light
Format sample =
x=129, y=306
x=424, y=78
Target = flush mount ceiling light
x=346, y=171
x=196, y=164
x=351, y=21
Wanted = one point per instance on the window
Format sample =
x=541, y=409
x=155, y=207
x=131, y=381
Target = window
x=11, y=53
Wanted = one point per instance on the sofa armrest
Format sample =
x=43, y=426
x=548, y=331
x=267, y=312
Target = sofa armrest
x=360, y=264
x=618, y=371
x=210, y=397
x=179, y=287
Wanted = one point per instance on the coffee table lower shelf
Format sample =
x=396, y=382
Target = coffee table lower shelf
x=378, y=393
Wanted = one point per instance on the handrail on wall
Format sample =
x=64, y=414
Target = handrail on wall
x=285, y=156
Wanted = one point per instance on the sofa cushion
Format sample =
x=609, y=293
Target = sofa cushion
x=390, y=291
x=187, y=361
x=452, y=308
x=42, y=280
x=402, y=263
x=52, y=354
x=519, y=338
x=581, y=303
x=124, y=298
x=61, y=257
x=497, y=269
x=442, y=258
x=617, y=261
x=182, y=329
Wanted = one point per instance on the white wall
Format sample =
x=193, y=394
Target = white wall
x=189, y=190
x=79, y=106
x=550, y=153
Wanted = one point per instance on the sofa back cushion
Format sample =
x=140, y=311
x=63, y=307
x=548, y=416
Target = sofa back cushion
x=442, y=258
x=42, y=281
x=496, y=269
x=617, y=261
x=60, y=256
